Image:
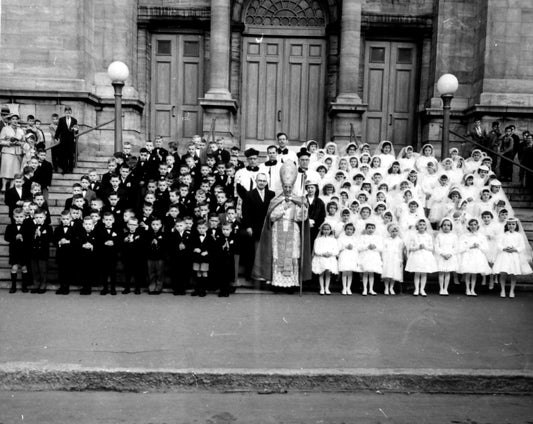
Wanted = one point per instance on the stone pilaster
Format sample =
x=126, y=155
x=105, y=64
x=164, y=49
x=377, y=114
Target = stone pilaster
x=218, y=102
x=347, y=108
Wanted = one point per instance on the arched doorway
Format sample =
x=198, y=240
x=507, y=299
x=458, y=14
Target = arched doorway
x=283, y=70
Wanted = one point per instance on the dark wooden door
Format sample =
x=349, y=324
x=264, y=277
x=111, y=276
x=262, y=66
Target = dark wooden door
x=283, y=89
x=389, y=90
x=177, y=78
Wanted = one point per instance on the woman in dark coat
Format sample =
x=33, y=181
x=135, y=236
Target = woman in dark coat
x=317, y=209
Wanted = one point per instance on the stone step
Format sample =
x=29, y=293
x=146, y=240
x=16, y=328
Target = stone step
x=93, y=158
x=91, y=164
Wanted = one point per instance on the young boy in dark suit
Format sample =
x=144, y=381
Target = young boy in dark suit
x=155, y=255
x=39, y=237
x=224, y=259
x=132, y=256
x=64, y=239
x=86, y=244
x=107, y=241
x=179, y=256
x=201, y=245
x=17, y=254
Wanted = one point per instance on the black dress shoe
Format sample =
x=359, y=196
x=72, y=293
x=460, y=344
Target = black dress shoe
x=113, y=292
x=24, y=290
x=13, y=290
x=126, y=291
x=202, y=294
x=85, y=292
x=66, y=291
x=104, y=292
x=195, y=293
x=179, y=293
x=137, y=291
x=34, y=291
x=41, y=291
x=60, y=291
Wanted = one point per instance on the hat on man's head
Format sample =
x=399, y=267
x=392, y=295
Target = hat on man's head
x=251, y=152
x=12, y=115
x=5, y=110
x=303, y=152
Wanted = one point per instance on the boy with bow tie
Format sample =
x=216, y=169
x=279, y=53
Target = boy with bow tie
x=225, y=248
x=179, y=255
x=86, y=249
x=64, y=239
x=107, y=244
x=14, y=235
x=155, y=251
x=132, y=256
x=38, y=236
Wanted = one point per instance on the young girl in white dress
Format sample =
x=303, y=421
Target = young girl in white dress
x=392, y=258
x=473, y=258
x=348, y=257
x=492, y=232
x=512, y=258
x=446, y=247
x=325, y=253
x=420, y=259
x=370, y=246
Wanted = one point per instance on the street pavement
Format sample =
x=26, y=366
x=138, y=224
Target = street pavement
x=251, y=408
x=267, y=333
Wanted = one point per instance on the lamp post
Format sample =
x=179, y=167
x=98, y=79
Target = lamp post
x=447, y=85
x=118, y=73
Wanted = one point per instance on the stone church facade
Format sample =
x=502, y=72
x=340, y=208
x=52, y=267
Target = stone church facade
x=316, y=69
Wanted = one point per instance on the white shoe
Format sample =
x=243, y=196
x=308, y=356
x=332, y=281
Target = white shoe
x=321, y=291
x=344, y=292
x=423, y=293
x=372, y=292
x=511, y=294
x=392, y=291
x=491, y=285
x=386, y=292
x=416, y=293
x=502, y=294
x=468, y=292
x=441, y=292
x=473, y=293
x=348, y=292
x=365, y=292
x=328, y=292
x=446, y=293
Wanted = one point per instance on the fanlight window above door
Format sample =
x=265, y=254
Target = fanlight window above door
x=289, y=13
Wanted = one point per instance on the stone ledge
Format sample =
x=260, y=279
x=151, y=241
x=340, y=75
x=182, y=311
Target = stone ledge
x=34, y=377
x=85, y=96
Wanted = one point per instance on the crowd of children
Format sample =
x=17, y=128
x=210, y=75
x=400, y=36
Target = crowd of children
x=170, y=219
x=386, y=214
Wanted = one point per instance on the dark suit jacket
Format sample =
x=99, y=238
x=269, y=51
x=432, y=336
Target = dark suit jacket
x=64, y=133
x=254, y=211
x=11, y=199
x=43, y=174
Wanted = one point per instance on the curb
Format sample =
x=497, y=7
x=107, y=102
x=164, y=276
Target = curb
x=32, y=377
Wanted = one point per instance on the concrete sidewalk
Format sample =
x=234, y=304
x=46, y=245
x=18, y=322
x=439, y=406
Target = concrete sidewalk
x=270, y=342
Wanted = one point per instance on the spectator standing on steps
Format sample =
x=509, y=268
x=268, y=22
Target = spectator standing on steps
x=67, y=128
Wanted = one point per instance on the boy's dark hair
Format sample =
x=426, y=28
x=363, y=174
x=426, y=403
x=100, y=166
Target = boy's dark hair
x=30, y=117
x=18, y=176
x=76, y=185
x=213, y=215
x=75, y=208
x=150, y=181
x=185, y=218
x=40, y=150
x=84, y=177
x=77, y=196
x=96, y=211
x=143, y=150
x=65, y=212
x=37, y=194
x=201, y=222
x=55, y=115
x=39, y=211
x=227, y=224
x=105, y=213
x=156, y=218
x=27, y=170
x=148, y=204
x=17, y=211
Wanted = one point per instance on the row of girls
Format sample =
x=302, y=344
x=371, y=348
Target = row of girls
x=387, y=214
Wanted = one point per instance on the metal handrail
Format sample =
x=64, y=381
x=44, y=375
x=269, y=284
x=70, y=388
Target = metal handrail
x=484, y=148
x=86, y=132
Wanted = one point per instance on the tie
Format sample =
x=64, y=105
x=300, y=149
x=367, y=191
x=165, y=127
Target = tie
x=68, y=122
x=283, y=151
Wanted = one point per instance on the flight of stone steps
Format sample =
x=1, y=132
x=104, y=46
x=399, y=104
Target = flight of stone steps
x=520, y=198
x=60, y=190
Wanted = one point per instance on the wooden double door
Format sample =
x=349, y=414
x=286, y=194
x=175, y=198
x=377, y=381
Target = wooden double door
x=283, y=86
x=390, y=87
x=177, y=84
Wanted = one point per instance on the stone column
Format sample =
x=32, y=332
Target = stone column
x=219, y=50
x=218, y=103
x=349, y=52
x=347, y=109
